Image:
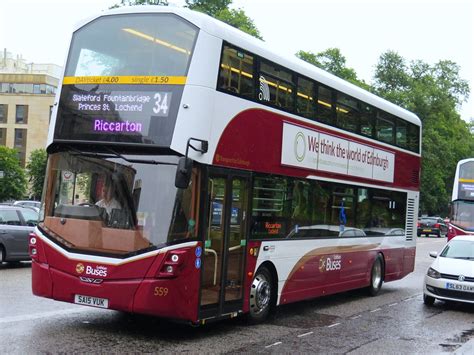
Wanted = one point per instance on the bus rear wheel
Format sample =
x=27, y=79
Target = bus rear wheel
x=261, y=296
x=376, y=276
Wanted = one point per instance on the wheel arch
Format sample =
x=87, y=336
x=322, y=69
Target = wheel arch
x=273, y=272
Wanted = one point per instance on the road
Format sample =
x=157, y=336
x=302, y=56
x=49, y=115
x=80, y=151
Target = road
x=394, y=322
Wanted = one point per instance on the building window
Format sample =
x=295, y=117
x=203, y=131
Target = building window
x=20, y=144
x=3, y=136
x=21, y=114
x=3, y=113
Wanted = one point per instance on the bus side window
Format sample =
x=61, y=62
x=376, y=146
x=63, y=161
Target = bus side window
x=384, y=127
x=401, y=133
x=367, y=114
x=413, y=136
x=276, y=86
x=305, y=98
x=347, y=112
x=236, y=72
x=325, y=106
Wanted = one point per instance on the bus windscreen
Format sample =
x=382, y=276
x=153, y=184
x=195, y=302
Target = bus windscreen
x=124, y=79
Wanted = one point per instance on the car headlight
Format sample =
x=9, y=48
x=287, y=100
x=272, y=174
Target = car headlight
x=433, y=273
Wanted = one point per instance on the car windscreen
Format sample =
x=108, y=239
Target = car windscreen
x=459, y=249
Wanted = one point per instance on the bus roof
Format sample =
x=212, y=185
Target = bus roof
x=247, y=42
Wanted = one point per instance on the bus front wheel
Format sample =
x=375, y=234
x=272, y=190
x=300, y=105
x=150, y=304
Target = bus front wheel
x=376, y=276
x=261, y=295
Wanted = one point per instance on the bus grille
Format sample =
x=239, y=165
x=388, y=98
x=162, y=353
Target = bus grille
x=410, y=226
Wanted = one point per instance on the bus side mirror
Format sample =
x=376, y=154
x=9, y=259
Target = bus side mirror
x=183, y=173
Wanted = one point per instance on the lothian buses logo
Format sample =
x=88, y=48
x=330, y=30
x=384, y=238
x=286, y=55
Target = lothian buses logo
x=330, y=263
x=80, y=268
x=300, y=146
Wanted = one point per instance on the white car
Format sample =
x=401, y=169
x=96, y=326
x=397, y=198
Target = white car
x=451, y=276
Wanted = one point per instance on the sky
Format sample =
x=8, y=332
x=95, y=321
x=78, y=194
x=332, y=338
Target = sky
x=427, y=30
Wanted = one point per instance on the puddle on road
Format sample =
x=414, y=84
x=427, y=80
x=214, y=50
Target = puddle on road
x=296, y=317
x=457, y=341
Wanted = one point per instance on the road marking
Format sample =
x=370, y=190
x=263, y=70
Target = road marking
x=274, y=344
x=305, y=334
x=393, y=304
x=333, y=325
x=375, y=310
x=41, y=315
x=355, y=317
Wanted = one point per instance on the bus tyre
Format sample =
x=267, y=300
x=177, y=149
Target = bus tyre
x=376, y=276
x=261, y=295
x=428, y=300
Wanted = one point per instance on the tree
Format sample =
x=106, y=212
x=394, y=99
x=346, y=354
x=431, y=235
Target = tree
x=36, y=169
x=219, y=9
x=334, y=62
x=12, y=176
x=433, y=93
x=139, y=2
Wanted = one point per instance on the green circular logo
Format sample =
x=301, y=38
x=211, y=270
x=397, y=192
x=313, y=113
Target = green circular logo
x=300, y=146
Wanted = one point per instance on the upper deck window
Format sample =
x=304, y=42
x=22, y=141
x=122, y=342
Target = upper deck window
x=305, y=98
x=347, y=112
x=236, y=72
x=276, y=86
x=141, y=44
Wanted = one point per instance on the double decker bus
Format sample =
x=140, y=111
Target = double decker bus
x=196, y=174
x=461, y=219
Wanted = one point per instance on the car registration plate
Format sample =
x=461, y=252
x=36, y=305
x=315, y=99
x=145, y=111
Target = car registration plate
x=91, y=301
x=458, y=287
x=426, y=230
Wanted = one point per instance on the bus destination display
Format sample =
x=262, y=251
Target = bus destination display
x=118, y=113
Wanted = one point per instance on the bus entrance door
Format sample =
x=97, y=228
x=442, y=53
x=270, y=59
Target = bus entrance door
x=224, y=247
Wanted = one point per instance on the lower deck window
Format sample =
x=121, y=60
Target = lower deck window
x=284, y=207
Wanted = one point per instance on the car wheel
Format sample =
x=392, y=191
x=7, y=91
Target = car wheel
x=261, y=295
x=428, y=300
x=376, y=276
x=2, y=254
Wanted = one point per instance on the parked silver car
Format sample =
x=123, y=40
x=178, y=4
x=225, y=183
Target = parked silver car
x=28, y=203
x=16, y=223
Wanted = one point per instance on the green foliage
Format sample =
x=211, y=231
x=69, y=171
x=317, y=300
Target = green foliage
x=433, y=93
x=333, y=62
x=210, y=7
x=219, y=9
x=139, y=2
x=36, y=169
x=13, y=182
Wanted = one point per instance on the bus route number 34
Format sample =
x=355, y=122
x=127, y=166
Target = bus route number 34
x=161, y=291
x=162, y=103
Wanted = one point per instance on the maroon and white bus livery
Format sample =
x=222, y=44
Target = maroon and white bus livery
x=196, y=174
x=461, y=221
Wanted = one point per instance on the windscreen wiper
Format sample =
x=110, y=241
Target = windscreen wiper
x=140, y=161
